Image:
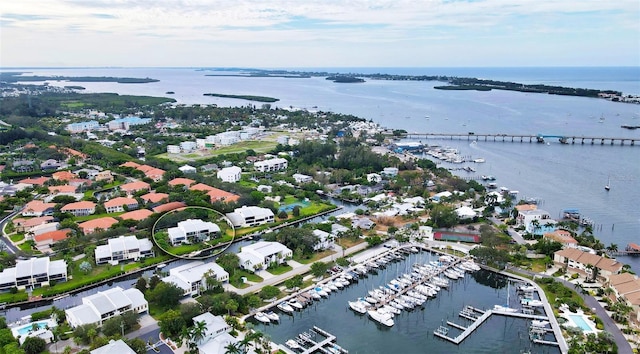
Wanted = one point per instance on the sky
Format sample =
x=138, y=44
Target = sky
x=325, y=33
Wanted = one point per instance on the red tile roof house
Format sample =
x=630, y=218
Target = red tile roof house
x=137, y=215
x=117, y=205
x=49, y=238
x=38, y=208
x=201, y=187
x=22, y=225
x=583, y=263
x=63, y=176
x=155, y=174
x=154, y=197
x=83, y=208
x=181, y=181
x=168, y=207
x=144, y=168
x=35, y=181
x=130, y=164
x=94, y=225
x=77, y=182
x=63, y=189
x=133, y=187
x=222, y=196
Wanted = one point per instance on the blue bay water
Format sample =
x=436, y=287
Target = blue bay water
x=563, y=176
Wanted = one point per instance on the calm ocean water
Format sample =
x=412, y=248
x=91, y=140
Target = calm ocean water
x=562, y=176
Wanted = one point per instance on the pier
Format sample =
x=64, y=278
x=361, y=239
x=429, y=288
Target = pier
x=316, y=346
x=468, y=313
x=528, y=138
x=632, y=249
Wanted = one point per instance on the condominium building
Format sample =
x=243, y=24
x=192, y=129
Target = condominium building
x=123, y=248
x=34, y=272
x=97, y=308
x=193, y=231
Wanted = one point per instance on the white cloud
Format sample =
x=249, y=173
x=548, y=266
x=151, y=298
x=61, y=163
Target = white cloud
x=349, y=24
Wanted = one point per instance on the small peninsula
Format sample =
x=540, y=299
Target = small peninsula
x=245, y=97
x=18, y=77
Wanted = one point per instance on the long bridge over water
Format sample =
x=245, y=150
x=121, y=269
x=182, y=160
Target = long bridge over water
x=527, y=138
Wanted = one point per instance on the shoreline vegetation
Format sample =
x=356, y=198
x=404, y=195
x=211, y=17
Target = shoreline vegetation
x=452, y=82
x=13, y=77
x=245, y=97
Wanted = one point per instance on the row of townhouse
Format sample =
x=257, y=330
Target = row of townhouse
x=99, y=307
x=192, y=277
x=586, y=263
x=33, y=273
x=626, y=289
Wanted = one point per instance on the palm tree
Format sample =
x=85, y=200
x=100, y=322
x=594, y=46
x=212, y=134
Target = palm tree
x=197, y=331
x=612, y=247
x=234, y=348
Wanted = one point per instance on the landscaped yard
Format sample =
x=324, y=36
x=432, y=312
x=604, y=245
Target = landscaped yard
x=17, y=237
x=280, y=269
x=314, y=257
x=348, y=242
x=235, y=279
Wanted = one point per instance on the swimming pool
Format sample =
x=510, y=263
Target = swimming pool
x=24, y=330
x=581, y=323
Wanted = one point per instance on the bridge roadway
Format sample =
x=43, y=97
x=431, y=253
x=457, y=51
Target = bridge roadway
x=523, y=138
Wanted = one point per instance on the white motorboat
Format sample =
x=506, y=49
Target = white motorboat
x=504, y=309
x=532, y=302
x=451, y=275
x=262, y=317
x=526, y=288
x=381, y=317
x=295, y=304
x=332, y=286
x=285, y=307
x=327, y=289
x=359, y=306
x=272, y=316
x=314, y=294
x=371, y=300
x=293, y=344
x=391, y=309
x=537, y=323
x=320, y=291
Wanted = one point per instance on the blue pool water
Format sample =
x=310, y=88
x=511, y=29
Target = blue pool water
x=25, y=330
x=579, y=320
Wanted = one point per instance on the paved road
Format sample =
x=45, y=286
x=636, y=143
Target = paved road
x=10, y=247
x=594, y=305
x=512, y=232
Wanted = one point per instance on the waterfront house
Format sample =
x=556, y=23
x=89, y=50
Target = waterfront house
x=541, y=227
x=466, y=212
x=191, y=277
x=38, y=208
x=230, y=174
x=91, y=226
x=260, y=255
x=324, y=240
x=120, y=204
x=99, y=307
x=562, y=236
x=113, y=347
x=33, y=273
x=192, y=231
x=123, y=248
x=249, y=216
x=526, y=217
x=584, y=263
x=374, y=178
x=82, y=208
x=216, y=338
x=626, y=289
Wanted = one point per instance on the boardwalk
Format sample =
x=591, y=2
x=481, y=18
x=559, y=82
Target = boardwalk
x=528, y=138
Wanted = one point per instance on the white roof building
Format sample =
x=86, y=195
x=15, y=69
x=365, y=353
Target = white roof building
x=300, y=178
x=186, y=169
x=374, y=177
x=325, y=240
x=390, y=171
x=34, y=272
x=262, y=253
x=248, y=216
x=191, y=276
x=123, y=248
x=230, y=174
x=103, y=305
x=113, y=347
x=216, y=337
x=192, y=231
x=466, y=212
x=276, y=164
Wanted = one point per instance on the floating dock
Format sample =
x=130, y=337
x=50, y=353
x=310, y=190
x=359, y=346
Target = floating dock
x=320, y=346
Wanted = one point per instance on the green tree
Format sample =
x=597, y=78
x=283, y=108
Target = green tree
x=34, y=345
x=137, y=344
x=165, y=295
x=171, y=323
x=6, y=337
x=13, y=348
x=318, y=269
x=231, y=306
x=141, y=284
x=443, y=216
x=229, y=262
x=269, y=292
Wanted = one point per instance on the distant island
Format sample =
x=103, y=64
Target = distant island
x=347, y=79
x=291, y=76
x=245, y=97
x=73, y=87
x=17, y=77
x=452, y=82
x=170, y=93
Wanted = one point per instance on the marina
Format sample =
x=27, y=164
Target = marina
x=411, y=323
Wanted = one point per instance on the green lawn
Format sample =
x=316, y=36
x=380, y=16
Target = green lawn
x=243, y=146
x=280, y=269
x=80, y=219
x=239, y=273
x=17, y=237
x=314, y=257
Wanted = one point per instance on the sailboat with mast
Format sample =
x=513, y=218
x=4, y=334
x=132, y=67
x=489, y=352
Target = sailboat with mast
x=607, y=187
x=506, y=308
